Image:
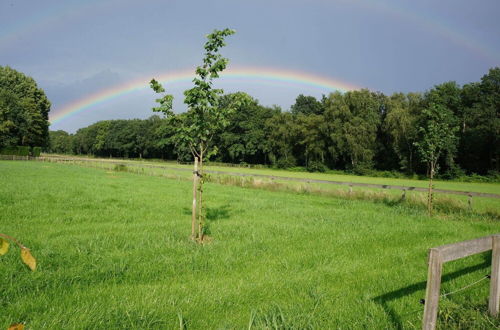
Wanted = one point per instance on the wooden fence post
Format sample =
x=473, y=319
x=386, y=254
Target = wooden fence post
x=195, y=189
x=494, y=302
x=403, y=196
x=469, y=202
x=432, y=290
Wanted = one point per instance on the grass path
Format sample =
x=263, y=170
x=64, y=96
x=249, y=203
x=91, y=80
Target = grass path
x=113, y=252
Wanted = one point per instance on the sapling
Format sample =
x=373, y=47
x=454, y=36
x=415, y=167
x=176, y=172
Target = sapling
x=203, y=119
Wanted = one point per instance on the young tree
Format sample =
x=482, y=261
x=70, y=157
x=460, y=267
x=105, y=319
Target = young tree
x=203, y=119
x=437, y=134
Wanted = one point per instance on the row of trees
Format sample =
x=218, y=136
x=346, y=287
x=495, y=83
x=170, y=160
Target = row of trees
x=358, y=130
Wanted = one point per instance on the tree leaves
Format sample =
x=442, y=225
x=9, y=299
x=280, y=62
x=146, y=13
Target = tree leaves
x=27, y=258
x=4, y=246
x=26, y=106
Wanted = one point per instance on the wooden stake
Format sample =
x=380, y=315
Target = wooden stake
x=429, y=196
x=494, y=302
x=432, y=290
x=195, y=189
x=200, y=197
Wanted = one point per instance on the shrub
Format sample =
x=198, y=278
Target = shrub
x=315, y=166
x=284, y=163
x=16, y=151
x=120, y=168
x=23, y=151
x=35, y=151
x=364, y=168
x=9, y=151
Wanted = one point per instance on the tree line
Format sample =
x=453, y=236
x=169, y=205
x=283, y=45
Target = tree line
x=358, y=131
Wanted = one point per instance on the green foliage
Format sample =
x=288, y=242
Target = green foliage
x=245, y=138
x=436, y=130
x=24, y=110
x=353, y=119
x=120, y=168
x=204, y=117
x=16, y=151
x=60, y=142
x=36, y=151
x=400, y=124
x=285, y=163
x=307, y=105
x=315, y=166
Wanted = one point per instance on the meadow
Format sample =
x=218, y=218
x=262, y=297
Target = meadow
x=113, y=252
x=252, y=177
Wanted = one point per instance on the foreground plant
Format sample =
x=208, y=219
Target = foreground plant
x=437, y=135
x=26, y=256
x=203, y=119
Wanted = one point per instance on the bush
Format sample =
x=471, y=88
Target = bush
x=453, y=172
x=9, y=151
x=316, y=166
x=35, y=151
x=23, y=151
x=120, y=168
x=16, y=151
x=365, y=168
x=284, y=163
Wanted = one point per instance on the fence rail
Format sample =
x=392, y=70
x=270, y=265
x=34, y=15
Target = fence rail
x=441, y=254
x=470, y=194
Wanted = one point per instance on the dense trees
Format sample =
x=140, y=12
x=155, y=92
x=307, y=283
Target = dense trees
x=24, y=110
x=357, y=131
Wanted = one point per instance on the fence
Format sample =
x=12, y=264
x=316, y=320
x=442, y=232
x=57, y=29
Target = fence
x=439, y=255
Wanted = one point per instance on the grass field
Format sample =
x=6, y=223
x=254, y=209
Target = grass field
x=113, y=252
x=483, y=205
x=439, y=184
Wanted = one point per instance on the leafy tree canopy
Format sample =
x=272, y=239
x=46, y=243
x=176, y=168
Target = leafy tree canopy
x=24, y=110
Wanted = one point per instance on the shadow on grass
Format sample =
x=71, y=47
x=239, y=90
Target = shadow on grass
x=396, y=319
x=218, y=213
x=212, y=214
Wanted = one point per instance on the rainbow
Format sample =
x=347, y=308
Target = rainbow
x=258, y=74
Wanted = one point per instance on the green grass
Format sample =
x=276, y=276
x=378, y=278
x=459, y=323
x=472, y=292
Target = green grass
x=113, y=252
x=493, y=188
x=443, y=202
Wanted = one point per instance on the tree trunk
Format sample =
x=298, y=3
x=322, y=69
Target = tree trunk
x=195, y=191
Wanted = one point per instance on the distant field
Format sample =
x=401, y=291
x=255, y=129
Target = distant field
x=113, y=253
x=493, y=188
x=480, y=204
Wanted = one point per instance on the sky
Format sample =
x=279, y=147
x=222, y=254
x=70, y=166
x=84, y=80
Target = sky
x=94, y=58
